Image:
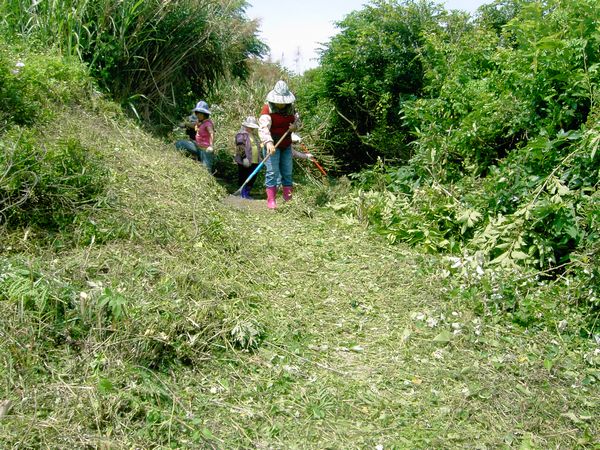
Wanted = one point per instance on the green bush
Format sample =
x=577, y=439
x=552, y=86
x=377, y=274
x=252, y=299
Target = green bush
x=32, y=85
x=46, y=184
x=490, y=94
x=367, y=71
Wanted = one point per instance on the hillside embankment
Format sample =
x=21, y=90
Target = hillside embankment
x=171, y=318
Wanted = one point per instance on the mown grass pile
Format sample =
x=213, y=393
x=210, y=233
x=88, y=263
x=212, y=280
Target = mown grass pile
x=115, y=253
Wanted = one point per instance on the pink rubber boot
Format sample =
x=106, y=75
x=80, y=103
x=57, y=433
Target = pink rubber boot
x=271, y=194
x=287, y=193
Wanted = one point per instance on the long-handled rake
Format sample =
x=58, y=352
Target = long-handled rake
x=319, y=167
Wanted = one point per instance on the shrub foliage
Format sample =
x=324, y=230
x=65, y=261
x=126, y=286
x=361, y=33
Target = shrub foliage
x=502, y=130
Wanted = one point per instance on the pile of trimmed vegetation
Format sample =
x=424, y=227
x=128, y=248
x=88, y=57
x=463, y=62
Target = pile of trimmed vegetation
x=115, y=250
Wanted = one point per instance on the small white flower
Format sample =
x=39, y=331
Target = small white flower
x=18, y=66
x=456, y=262
x=431, y=322
x=379, y=447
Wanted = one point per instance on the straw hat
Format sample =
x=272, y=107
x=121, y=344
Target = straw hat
x=281, y=94
x=202, y=107
x=250, y=122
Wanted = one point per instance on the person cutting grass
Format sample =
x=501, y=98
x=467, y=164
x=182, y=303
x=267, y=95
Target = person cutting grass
x=278, y=118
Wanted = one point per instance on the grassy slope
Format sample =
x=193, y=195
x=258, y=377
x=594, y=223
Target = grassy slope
x=347, y=326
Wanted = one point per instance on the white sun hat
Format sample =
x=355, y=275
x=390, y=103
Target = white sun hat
x=202, y=107
x=250, y=122
x=281, y=94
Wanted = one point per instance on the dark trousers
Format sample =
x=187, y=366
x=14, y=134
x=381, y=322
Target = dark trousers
x=244, y=172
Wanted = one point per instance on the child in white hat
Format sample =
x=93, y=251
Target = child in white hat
x=278, y=119
x=247, y=155
x=205, y=135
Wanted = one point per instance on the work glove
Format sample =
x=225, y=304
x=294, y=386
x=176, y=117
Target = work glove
x=209, y=149
x=245, y=162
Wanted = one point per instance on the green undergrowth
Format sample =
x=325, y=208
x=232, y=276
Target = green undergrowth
x=160, y=315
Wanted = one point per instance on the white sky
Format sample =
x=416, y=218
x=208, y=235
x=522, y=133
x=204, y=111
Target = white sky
x=293, y=29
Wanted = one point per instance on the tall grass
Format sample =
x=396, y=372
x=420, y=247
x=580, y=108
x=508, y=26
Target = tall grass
x=155, y=57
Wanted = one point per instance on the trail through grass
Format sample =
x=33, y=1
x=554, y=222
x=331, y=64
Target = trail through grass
x=362, y=350
x=248, y=328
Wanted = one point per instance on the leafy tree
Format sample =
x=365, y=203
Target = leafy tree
x=367, y=71
x=489, y=94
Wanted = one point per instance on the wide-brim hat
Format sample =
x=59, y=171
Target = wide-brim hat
x=281, y=94
x=250, y=122
x=202, y=107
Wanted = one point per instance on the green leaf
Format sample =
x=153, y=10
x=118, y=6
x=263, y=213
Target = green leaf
x=444, y=336
x=517, y=254
x=499, y=259
x=207, y=434
x=523, y=390
x=105, y=386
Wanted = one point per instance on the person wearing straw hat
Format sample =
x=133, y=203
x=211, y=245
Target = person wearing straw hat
x=278, y=119
x=247, y=155
x=205, y=135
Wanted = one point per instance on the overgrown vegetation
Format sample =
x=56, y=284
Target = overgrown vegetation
x=499, y=163
x=367, y=72
x=48, y=182
x=154, y=57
